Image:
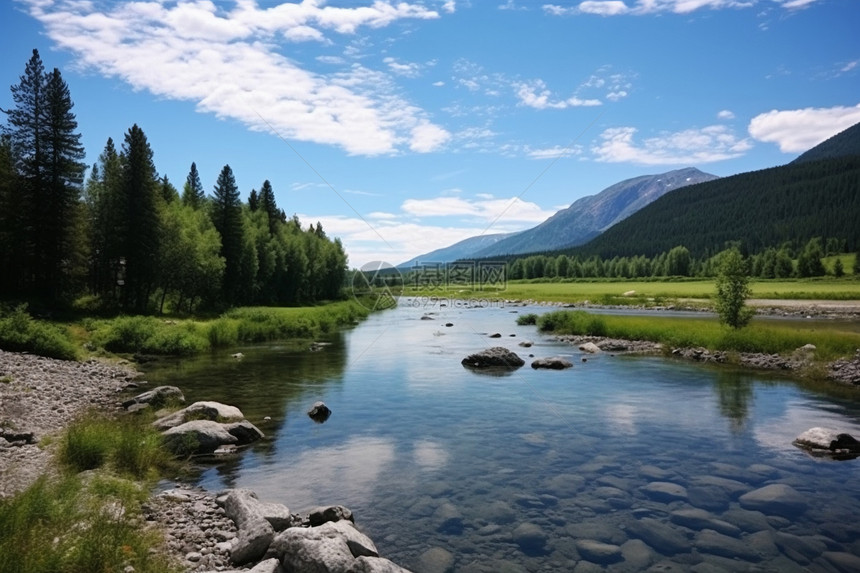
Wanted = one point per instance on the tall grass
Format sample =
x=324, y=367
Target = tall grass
x=151, y=335
x=78, y=526
x=89, y=522
x=675, y=332
x=127, y=446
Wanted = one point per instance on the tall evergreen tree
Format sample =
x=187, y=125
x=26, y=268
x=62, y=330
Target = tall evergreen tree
x=48, y=156
x=141, y=241
x=9, y=219
x=268, y=204
x=227, y=217
x=193, y=194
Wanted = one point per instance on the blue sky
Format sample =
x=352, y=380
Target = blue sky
x=407, y=126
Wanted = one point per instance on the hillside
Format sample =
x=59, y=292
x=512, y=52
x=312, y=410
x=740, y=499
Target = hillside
x=840, y=145
x=462, y=250
x=589, y=216
x=761, y=209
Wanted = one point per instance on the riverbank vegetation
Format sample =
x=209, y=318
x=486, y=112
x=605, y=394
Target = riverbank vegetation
x=126, y=240
x=91, y=521
x=139, y=334
x=673, y=332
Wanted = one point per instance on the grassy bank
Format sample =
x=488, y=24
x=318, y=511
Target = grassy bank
x=165, y=336
x=642, y=292
x=84, y=522
x=675, y=332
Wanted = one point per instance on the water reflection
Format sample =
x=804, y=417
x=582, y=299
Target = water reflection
x=735, y=395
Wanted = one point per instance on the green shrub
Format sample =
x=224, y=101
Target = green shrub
x=527, y=319
x=20, y=332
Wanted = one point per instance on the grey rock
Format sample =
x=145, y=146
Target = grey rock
x=530, y=537
x=699, y=519
x=845, y=562
x=749, y=521
x=526, y=343
x=268, y=566
x=215, y=411
x=598, y=552
x=197, y=437
x=319, y=412
x=709, y=541
x=664, y=491
x=637, y=554
x=245, y=432
x=775, y=499
x=255, y=532
x=375, y=565
x=157, y=397
x=828, y=442
x=660, y=536
x=552, y=363
x=496, y=357
x=809, y=547
x=448, y=519
x=328, y=513
x=435, y=560
x=590, y=348
x=332, y=546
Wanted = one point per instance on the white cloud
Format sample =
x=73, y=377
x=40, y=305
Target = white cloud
x=726, y=114
x=553, y=152
x=226, y=62
x=604, y=8
x=535, y=94
x=799, y=130
x=688, y=147
x=500, y=210
x=449, y=6
x=643, y=7
x=409, y=69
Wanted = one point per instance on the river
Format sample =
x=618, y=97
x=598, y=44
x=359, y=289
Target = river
x=622, y=462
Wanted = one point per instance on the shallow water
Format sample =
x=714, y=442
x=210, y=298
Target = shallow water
x=619, y=462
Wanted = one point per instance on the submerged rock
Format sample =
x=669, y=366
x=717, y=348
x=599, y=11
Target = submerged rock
x=496, y=357
x=775, y=499
x=157, y=397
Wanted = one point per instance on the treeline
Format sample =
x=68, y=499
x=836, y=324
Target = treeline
x=126, y=239
x=762, y=209
x=785, y=262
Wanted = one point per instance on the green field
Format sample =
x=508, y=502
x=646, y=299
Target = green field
x=652, y=292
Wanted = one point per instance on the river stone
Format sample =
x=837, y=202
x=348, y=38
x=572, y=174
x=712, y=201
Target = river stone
x=809, y=547
x=590, y=348
x=530, y=537
x=699, y=519
x=310, y=550
x=598, y=552
x=637, y=555
x=775, y=499
x=498, y=512
x=245, y=432
x=709, y=541
x=157, y=397
x=364, y=564
x=708, y=497
x=664, y=491
x=846, y=562
x=215, y=411
x=267, y=566
x=435, y=560
x=252, y=542
x=496, y=357
x=552, y=363
x=197, y=437
x=827, y=442
x=319, y=412
x=325, y=514
x=660, y=536
x=448, y=519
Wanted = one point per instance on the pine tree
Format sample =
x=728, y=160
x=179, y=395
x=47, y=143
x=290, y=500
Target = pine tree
x=227, y=217
x=9, y=220
x=268, y=204
x=140, y=192
x=193, y=194
x=48, y=154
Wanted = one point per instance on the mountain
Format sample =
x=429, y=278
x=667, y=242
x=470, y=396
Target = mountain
x=760, y=209
x=465, y=249
x=843, y=143
x=589, y=216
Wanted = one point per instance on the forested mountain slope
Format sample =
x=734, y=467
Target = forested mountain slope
x=759, y=209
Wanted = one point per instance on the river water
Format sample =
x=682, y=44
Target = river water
x=619, y=463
